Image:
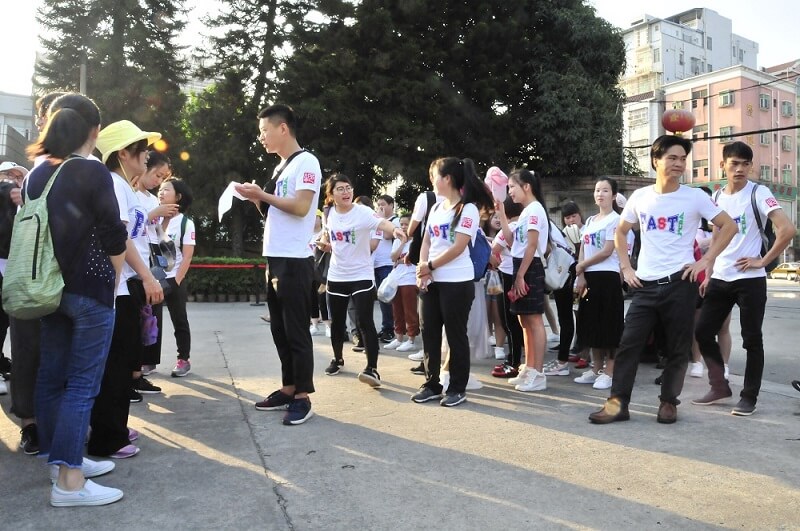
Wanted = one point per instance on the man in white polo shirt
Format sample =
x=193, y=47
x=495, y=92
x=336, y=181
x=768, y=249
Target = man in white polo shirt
x=739, y=278
x=668, y=215
x=290, y=210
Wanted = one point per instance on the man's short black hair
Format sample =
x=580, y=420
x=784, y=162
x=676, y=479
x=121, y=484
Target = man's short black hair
x=389, y=199
x=280, y=113
x=737, y=149
x=664, y=142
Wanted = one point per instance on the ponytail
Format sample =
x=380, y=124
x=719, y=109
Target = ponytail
x=72, y=118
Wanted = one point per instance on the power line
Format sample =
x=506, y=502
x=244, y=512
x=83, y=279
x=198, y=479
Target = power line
x=732, y=135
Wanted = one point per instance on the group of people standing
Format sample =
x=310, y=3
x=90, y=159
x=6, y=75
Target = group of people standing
x=122, y=251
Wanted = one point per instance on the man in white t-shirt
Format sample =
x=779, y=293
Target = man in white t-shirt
x=288, y=228
x=739, y=278
x=668, y=215
x=382, y=262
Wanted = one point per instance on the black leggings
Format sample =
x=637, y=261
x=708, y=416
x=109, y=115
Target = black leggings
x=510, y=323
x=363, y=294
x=319, y=302
x=566, y=320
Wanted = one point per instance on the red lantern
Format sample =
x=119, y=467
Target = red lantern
x=677, y=121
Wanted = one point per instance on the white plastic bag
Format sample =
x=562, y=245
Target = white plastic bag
x=388, y=288
x=494, y=286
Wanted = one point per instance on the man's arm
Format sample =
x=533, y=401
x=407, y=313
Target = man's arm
x=727, y=230
x=621, y=245
x=784, y=232
x=297, y=206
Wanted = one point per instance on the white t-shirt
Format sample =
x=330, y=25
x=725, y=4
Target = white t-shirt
x=149, y=202
x=287, y=235
x=349, y=235
x=533, y=217
x=594, y=236
x=382, y=256
x=442, y=237
x=135, y=217
x=506, y=262
x=668, y=224
x=174, y=234
x=407, y=272
x=747, y=241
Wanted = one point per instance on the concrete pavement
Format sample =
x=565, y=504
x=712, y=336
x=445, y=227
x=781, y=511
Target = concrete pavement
x=372, y=459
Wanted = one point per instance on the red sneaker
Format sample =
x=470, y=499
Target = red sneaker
x=573, y=358
x=505, y=371
x=581, y=364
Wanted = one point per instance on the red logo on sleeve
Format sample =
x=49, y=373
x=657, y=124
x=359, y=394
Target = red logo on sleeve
x=771, y=202
x=466, y=223
x=309, y=178
x=192, y=236
x=534, y=220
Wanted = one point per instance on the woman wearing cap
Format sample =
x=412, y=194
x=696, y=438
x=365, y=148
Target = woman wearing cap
x=89, y=244
x=123, y=148
x=351, y=275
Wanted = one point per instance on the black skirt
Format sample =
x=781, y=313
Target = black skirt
x=600, y=312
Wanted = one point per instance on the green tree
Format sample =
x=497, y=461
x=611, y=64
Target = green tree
x=506, y=83
x=133, y=65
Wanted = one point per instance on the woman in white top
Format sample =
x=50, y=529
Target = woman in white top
x=351, y=274
x=445, y=275
x=529, y=244
x=174, y=192
x=599, y=285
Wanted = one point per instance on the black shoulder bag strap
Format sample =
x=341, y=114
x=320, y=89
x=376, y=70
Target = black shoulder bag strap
x=273, y=182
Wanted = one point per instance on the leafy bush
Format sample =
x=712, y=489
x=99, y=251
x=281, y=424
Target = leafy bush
x=246, y=278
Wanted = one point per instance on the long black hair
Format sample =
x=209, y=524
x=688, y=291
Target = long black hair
x=465, y=179
x=614, y=189
x=531, y=178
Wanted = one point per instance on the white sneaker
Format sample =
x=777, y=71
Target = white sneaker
x=444, y=379
x=553, y=338
x=315, y=331
x=3, y=387
x=90, y=494
x=408, y=345
x=557, y=369
x=519, y=378
x=499, y=353
x=588, y=377
x=90, y=469
x=603, y=382
x=536, y=381
x=417, y=356
x=492, y=340
x=393, y=344
x=473, y=383
x=727, y=372
x=696, y=369
x=327, y=330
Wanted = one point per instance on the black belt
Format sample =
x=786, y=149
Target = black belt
x=674, y=277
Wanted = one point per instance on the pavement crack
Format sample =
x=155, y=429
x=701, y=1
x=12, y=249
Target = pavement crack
x=282, y=502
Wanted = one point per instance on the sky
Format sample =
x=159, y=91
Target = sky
x=768, y=22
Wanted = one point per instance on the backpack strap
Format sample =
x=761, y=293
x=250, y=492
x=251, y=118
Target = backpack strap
x=182, y=232
x=50, y=181
x=756, y=212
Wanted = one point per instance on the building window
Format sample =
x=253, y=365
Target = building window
x=680, y=57
x=733, y=49
x=657, y=55
x=726, y=98
x=786, y=143
x=741, y=55
x=637, y=117
x=787, y=174
x=725, y=134
x=763, y=102
x=763, y=139
x=786, y=108
x=766, y=172
x=708, y=44
x=710, y=67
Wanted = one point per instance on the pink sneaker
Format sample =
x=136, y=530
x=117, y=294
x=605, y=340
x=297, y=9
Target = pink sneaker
x=132, y=434
x=125, y=452
x=182, y=368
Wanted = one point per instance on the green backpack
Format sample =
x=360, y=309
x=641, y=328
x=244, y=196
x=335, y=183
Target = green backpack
x=32, y=284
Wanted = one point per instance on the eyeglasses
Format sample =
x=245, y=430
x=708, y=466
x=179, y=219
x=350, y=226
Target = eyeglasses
x=343, y=189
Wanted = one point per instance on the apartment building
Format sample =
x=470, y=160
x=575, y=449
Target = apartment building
x=17, y=128
x=662, y=51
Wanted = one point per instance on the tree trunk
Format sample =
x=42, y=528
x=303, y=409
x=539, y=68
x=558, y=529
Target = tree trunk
x=237, y=230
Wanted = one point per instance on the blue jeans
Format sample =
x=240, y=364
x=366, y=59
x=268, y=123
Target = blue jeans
x=387, y=316
x=74, y=345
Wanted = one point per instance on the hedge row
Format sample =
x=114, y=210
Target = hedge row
x=226, y=283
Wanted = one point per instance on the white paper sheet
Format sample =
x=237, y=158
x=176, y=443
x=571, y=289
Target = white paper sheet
x=226, y=199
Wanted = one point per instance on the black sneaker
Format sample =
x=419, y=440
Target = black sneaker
x=5, y=366
x=298, y=412
x=386, y=336
x=134, y=396
x=744, y=408
x=370, y=377
x=334, y=367
x=143, y=386
x=453, y=399
x=275, y=401
x=425, y=394
x=29, y=440
x=419, y=369
x=358, y=347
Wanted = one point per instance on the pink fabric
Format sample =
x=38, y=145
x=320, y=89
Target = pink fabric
x=497, y=181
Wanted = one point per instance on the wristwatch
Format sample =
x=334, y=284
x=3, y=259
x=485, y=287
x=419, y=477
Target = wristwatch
x=430, y=265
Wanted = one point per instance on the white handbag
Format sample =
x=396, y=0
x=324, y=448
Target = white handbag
x=556, y=267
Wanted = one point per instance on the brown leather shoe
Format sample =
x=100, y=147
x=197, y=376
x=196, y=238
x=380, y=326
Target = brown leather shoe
x=713, y=396
x=667, y=413
x=613, y=410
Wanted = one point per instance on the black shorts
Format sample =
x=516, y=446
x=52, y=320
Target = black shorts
x=533, y=302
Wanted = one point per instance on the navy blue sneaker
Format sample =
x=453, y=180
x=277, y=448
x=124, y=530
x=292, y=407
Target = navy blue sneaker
x=299, y=411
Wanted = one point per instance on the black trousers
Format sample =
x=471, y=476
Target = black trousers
x=566, y=318
x=671, y=305
x=510, y=323
x=289, y=301
x=447, y=304
x=750, y=295
x=25, y=336
x=151, y=354
x=109, y=420
x=176, y=304
x=362, y=293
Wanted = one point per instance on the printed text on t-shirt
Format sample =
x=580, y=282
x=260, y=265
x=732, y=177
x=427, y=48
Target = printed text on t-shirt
x=673, y=224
